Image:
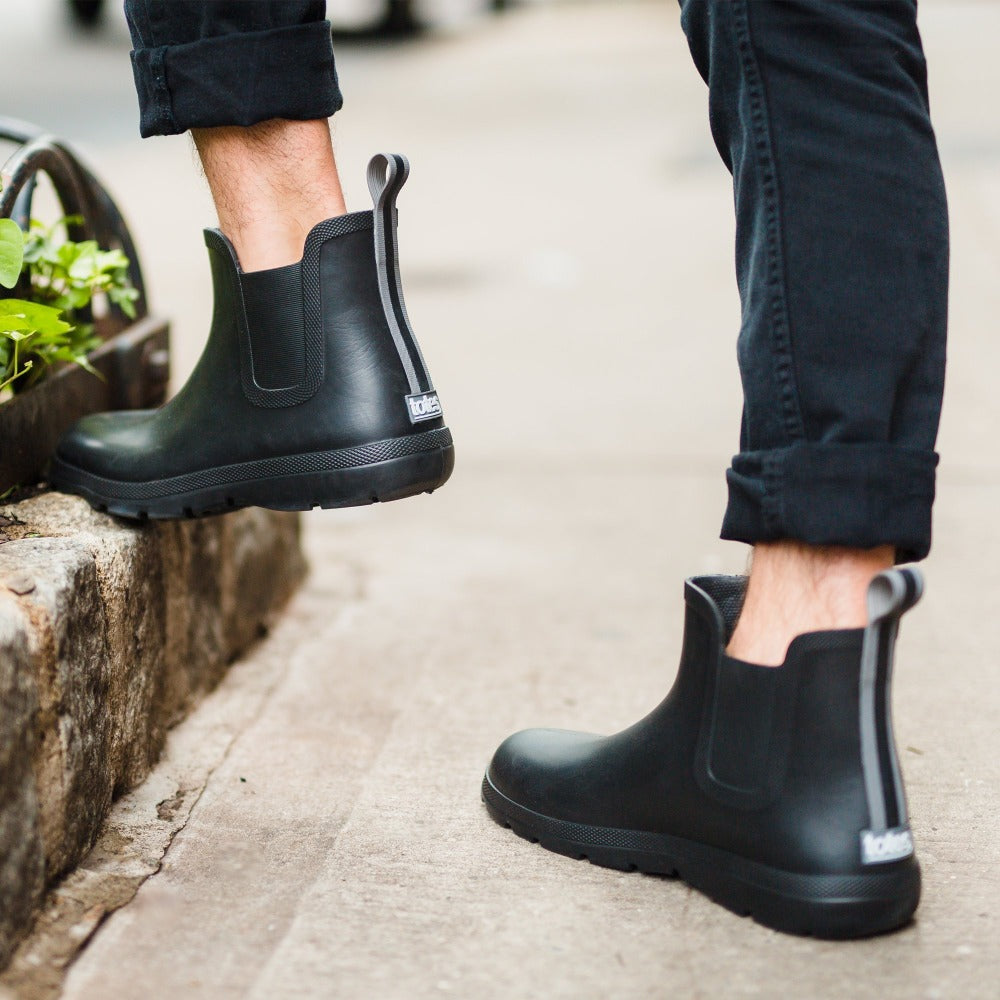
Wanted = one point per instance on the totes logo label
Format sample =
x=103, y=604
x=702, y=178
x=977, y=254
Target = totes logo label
x=423, y=406
x=890, y=845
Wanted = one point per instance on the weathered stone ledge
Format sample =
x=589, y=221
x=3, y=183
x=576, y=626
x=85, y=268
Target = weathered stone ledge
x=109, y=633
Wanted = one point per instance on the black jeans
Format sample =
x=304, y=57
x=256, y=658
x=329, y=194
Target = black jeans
x=820, y=111
x=201, y=63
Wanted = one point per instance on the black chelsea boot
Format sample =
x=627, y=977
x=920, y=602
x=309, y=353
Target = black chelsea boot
x=774, y=790
x=311, y=390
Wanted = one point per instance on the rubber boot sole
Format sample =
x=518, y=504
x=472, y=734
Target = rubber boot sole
x=395, y=468
x=823, y=906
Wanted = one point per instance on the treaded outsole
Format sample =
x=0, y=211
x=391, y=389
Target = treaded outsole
x=822, y=906
x=374, y=482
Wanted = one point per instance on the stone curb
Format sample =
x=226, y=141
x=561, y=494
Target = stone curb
x=109, y=633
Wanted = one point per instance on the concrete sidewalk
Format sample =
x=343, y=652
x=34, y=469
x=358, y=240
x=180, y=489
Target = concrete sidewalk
x=567, y=245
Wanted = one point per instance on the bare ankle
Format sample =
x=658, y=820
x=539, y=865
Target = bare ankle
x=271, y=183
x=796, y=588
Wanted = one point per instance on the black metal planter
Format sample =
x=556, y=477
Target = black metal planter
x=134, y=355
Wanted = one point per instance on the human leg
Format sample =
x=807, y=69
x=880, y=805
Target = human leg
x=821, y=115
x=271, y=183
x=255, y=83
x=776, y=791
x=794, y=588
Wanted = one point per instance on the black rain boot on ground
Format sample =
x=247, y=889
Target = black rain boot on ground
x=774, y=790
x=311, y=390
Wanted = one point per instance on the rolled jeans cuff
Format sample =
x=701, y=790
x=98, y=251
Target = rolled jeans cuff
x=237, y=79
x=856, y=495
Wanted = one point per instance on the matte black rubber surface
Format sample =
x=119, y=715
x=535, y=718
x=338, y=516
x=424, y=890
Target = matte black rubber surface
x=311, y=390
x=291, y=482
x=825, y=906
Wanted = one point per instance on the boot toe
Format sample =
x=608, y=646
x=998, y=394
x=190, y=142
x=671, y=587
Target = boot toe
x=543, y=769
x=102, y=442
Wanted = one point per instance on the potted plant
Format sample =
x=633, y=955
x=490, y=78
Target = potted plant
x=72, y=307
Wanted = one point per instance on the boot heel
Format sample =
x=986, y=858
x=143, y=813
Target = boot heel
x=381, y=482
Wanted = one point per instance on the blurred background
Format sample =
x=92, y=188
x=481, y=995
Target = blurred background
x=491, y=107
x=83, y=91
x=536, y=130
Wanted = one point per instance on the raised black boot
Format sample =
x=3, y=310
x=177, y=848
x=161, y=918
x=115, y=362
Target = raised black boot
x=311, y=390
x=774, y=790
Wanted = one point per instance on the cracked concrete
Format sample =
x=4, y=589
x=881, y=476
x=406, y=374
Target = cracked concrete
x=109, y=633
x=142, y=825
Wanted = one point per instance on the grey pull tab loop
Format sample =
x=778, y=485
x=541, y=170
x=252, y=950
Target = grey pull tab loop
x=387, y=173
x=890, y=595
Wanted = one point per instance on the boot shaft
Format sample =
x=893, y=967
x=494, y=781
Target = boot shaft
x=331, y=327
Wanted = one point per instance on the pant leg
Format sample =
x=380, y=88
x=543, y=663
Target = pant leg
x=201, y=63
x=820, y=111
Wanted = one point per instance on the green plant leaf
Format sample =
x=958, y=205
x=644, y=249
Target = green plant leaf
x=10, y=326
x=84, y=363
x=11, y=252
x=112, y=260
x=64, y=276
x=45, y=319
x=23, y=370
x=124, y=298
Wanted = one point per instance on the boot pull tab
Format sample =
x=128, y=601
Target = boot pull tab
x=888, y=838
x=892, y=593
x=387, y=173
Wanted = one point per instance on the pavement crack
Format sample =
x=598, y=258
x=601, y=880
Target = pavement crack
x=142, y=829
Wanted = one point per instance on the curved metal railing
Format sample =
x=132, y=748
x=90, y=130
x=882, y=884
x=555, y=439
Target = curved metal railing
x=79, y=194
